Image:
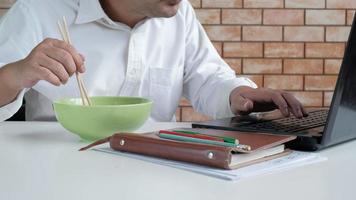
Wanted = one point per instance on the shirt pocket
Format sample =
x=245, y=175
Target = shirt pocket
x=162, y=82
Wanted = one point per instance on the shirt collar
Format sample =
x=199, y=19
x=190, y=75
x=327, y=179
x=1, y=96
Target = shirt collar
x=89, y=11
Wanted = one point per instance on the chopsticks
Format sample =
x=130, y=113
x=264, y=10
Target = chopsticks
x=63, y=28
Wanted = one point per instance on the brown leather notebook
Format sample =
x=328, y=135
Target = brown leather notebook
x=263, y=147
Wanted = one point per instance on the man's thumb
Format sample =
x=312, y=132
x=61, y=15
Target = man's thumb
x=243, y=105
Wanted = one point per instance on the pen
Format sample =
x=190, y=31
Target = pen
x=225, y=138
x=200, y=136
x=240, y=147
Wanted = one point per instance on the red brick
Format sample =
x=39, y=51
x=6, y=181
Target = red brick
x=325, y=50
x=263, y=4
x=328, y=98
x=303, y=66
x=189, y=115
x=320, y=82
x=235, y=64
x=223, y=33
x=332, y=66
x=310, y=99
x=222, y=3
x=208, y=16
x=305, y=3
x=262, y=66
x=346, y=4
x=195, y=3
x=283, y=82
x=241, y=16
x=350, y=16
x=184, y=102
x=258, y=79
x=337, y=34
x=243, y=49
x=262, y=33
x=304, y=34
x=325, y=17
x=218, y=47
x=283, y=17
x=284, y=50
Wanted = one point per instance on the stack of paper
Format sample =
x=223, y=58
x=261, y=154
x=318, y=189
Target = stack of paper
x=293, y=160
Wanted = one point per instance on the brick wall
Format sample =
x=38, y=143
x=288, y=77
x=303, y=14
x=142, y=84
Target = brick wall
x=294, y=45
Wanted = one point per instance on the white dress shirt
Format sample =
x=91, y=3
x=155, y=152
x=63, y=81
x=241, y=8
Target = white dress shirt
x=161, y=59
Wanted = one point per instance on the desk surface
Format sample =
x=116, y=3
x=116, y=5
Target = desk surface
x=39, y=160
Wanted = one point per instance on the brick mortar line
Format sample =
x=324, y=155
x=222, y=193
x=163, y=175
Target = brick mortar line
x=288, y=58
x=283, y=65
x=301, y=25
x=221, y=17
x=283, y=33
x=346, y=11
x=281, y=42
x=242, y=66
x=324, y=63
x=181, y=114
x=299, y=75
x=222, y=50
x=264, y=8
x=278, y=25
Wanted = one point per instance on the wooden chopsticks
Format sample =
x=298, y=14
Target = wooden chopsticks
x=63, y=28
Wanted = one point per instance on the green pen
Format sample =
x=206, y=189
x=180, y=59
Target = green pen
x=241, y=147
x=225, y=138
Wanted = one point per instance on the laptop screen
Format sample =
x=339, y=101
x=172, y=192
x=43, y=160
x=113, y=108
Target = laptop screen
x=341, y=125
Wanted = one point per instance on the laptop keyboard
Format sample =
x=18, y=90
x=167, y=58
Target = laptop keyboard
x=290, y=124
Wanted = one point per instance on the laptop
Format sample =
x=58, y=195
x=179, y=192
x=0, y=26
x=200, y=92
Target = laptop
x=322, y=128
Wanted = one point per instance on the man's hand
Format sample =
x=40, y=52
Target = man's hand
x=52, y=60
x=244, y=100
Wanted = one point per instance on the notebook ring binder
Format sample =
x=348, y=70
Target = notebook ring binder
x=266, y=147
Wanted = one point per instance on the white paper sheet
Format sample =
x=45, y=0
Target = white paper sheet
x=293, y=160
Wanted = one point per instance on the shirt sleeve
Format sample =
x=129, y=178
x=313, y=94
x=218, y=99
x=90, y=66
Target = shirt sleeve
x=19, y=33
x=208, y=80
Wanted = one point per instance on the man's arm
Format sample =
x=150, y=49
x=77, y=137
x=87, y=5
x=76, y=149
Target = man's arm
x=52, y=60
x=213, y=87
x=208, y=80
x=25, y=59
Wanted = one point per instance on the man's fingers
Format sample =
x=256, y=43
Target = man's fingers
x=82, y=68
x=64, y=58
x=243, y=105
x=55, y=67
x=281, y=103
x=305, y=112
x=45, y=74
x=78, y=59
x=295, y=106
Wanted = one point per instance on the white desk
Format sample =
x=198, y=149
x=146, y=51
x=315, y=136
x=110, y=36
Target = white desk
x=39, y=160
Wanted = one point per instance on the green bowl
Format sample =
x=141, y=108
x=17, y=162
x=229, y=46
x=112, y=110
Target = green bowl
x=106, y=115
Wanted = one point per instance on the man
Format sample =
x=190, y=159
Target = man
x=151, y=48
